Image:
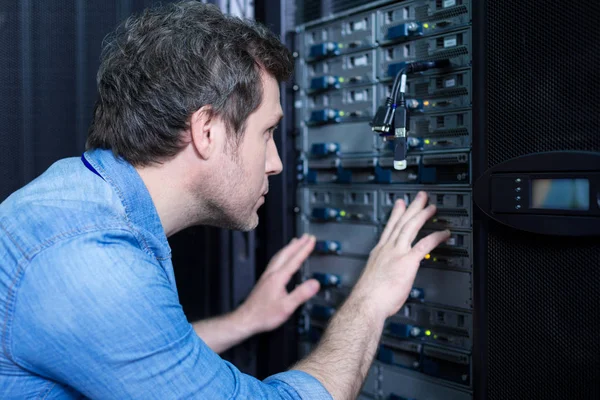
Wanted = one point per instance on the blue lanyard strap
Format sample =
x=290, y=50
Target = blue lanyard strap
x=89, y=166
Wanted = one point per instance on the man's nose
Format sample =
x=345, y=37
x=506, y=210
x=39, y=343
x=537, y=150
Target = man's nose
x=273, y=164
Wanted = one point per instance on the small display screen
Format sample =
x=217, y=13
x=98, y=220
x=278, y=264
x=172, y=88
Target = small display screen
x=560, y=194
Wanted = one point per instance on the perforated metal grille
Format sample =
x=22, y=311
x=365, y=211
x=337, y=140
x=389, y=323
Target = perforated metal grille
x=445, y=159
x=542, y=292
x=458, y=213
x=423, y=52
x=451, y=92
x=423, y=13
x=450, y=132
x=543, y=301
x=543, y=78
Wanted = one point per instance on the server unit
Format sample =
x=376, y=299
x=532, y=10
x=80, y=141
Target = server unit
x=502, y=137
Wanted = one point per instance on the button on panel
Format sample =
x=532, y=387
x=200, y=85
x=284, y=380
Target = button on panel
x=509, y=194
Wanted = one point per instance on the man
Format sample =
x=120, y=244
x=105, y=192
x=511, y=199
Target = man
x=181, y=136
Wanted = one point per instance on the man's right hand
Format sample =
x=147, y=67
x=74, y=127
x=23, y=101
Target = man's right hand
x=388, y=277
x=346, y=350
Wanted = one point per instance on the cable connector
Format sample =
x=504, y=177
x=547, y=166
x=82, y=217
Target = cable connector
x=400, y=138
x=394, y=114
x=400, y=150
x=384, y=117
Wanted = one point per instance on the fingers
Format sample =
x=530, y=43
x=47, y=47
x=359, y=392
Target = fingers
x=414, y=208
x=301, y=294
x=294, y=262
x=411, y=228
x=283, y=255
x=426, y=245
x=397, y=211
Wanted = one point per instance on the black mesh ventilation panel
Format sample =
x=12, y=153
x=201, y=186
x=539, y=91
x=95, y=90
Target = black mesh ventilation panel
x=542, y=86
x=543, y=317
x=543, y=77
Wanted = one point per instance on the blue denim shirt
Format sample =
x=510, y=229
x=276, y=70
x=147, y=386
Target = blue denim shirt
x=88, y=302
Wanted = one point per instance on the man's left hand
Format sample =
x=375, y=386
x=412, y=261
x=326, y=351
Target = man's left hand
x=269, y=304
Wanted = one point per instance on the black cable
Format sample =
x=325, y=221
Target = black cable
x=400, y=113
x=413, y=67
x=383, y=120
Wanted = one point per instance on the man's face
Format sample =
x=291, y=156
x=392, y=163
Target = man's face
x=243, y=172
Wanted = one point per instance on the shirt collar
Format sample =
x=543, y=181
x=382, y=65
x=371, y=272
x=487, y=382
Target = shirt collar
x=139, y=208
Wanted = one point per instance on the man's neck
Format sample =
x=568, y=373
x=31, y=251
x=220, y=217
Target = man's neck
x=168, y=186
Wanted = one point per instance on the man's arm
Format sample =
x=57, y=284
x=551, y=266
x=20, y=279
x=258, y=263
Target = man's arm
x=268, y=305
x=343, y=357
x=222, y=332
x=105, y=321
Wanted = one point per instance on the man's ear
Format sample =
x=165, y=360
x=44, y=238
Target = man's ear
x=202, y=130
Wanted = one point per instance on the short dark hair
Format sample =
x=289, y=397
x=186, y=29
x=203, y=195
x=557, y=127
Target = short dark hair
x=158, y=68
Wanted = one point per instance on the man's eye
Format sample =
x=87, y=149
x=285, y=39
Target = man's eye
x=270, y=132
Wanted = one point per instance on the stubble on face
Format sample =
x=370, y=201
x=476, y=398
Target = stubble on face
x=225, y=199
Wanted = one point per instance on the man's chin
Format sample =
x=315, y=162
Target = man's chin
x=252, y=224
x=245, y=225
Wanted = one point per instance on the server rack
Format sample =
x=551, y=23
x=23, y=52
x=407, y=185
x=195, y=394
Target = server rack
x=495, y=111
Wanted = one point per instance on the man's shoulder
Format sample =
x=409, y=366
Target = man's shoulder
x=65, y=201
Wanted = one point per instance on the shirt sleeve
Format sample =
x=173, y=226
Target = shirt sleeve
x=98, y=314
